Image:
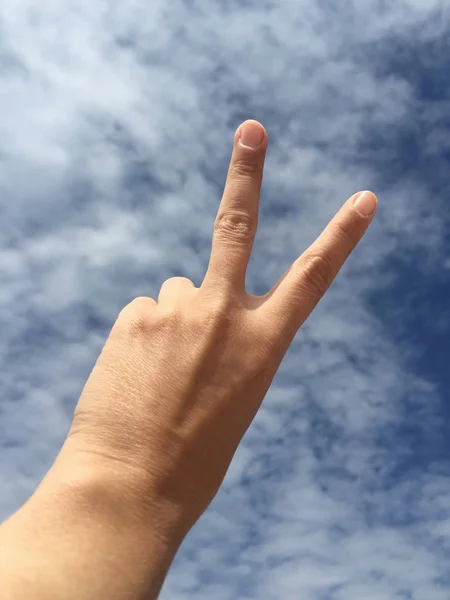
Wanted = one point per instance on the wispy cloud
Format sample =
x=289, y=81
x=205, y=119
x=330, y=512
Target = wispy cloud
x=116, y=122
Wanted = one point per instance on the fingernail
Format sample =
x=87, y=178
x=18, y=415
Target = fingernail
x=251, y=134
x=365, y=203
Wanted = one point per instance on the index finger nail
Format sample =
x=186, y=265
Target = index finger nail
x=365, y=203
x=251, y=134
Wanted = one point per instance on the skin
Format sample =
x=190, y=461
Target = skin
x=171, y=395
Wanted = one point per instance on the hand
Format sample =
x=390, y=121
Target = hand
x=176, y=386
x=180, y=380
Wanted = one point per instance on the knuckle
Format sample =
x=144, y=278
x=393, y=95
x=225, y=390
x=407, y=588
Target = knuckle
x=178, y=280
x=218, y=314
x=243, y=168
x=235, y=224
x=174, y=286
x=169, y=318
x=137, y=316
x=346, y=240
x=315, y=273
x=218, y=311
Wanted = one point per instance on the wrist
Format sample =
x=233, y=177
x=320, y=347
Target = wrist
x=117, y=491
x=84, y=534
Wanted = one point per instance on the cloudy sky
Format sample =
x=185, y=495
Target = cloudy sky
x=116, y=125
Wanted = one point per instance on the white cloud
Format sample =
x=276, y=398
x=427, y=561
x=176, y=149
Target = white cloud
x=116, y=123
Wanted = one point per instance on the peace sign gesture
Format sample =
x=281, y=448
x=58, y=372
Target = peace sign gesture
x=294, y=297
x=177, y=384
x=181, y=378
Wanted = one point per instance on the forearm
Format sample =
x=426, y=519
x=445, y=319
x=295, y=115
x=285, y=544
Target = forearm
x=81, y=537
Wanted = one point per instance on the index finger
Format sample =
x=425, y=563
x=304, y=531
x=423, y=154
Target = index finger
x=297, y=293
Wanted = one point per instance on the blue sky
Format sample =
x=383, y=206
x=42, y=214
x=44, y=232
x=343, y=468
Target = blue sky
x=116, y=125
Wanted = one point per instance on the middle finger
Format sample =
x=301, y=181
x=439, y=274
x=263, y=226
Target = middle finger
x=237, y=218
